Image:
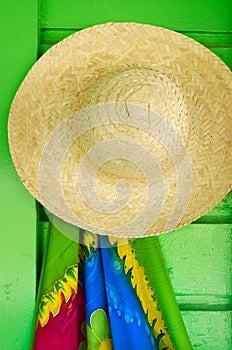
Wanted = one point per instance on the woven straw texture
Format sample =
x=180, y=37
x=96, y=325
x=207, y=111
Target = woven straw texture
x=136, y=66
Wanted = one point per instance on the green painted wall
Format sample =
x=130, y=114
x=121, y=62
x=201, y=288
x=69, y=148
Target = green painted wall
x=19, y=43
x=198, y=256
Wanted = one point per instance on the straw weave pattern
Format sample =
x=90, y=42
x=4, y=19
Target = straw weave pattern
x=152, y=67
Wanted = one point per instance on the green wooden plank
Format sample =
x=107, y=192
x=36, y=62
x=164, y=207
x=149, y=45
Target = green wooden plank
x=209, y=330
x=222, y=212
x=52, y=36
x=211, y=39
x=17, y=212
x=199, y=262
x=179, y=15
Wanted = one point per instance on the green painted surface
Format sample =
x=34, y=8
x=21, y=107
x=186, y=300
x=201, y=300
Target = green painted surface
x=209, y=330
x=198, y=256
x=194, y=15
x=210, y=40
x=18, y=36
x=199, y=261
x=222, y=212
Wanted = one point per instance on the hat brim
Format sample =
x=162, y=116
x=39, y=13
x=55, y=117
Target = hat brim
x=131, y=65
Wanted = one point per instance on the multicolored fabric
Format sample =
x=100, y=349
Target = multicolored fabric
x=103, y=301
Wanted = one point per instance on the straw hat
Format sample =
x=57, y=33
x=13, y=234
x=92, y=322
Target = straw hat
x=125, y=129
